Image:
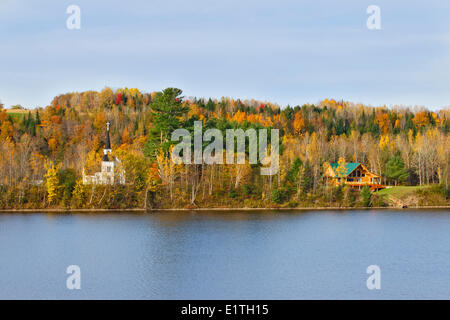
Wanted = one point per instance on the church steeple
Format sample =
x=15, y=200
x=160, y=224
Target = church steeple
x=107, y=148
x=112, y=171
x=108, y=141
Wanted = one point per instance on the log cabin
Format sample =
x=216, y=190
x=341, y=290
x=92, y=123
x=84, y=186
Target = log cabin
x=356, y=175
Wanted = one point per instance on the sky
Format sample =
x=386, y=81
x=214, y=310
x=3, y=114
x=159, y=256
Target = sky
x=282, y=51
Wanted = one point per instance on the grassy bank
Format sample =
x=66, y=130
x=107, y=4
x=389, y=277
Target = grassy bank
x=400, y=191
x=414, y=195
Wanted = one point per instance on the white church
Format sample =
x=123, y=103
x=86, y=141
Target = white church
x=111, y=170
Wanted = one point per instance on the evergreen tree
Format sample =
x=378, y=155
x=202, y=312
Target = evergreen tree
x=306, y=181
x=277, y=196
x=167, y=108
x=211, y=106
x=292, y=174
x=66, y=181
x=38, y=118
x=395, y=169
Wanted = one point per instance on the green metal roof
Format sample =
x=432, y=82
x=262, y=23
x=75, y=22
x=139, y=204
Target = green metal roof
x=350, y=166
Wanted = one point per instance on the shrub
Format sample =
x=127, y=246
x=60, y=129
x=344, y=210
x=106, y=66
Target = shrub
x=246, y=190
x=365, y=196
x=293, y=204
x=440, y=189
x=337, y=193
x=277, y=196
x=349, y=197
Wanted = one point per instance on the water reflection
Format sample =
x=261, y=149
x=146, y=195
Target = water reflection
x=226, y=254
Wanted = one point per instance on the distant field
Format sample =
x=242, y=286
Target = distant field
x=17, y=114
x=17, y=111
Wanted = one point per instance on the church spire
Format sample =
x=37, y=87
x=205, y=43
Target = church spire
x=107, y=143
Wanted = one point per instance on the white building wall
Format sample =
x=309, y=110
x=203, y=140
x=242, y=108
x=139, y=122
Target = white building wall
x=110, y=174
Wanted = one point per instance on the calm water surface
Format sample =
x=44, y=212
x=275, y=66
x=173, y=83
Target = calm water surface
x=226, y=255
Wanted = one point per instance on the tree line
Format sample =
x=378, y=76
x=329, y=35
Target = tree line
x=44, y=151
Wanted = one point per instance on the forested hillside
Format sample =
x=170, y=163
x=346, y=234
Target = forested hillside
x=43, y=152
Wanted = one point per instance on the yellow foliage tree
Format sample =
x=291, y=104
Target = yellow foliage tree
x=6, y=130
x=51, y=181
x=421, y=119
x=384, y=142
x=79, y=194
x=341, y=169
x=383, y=122
x=126, y=136
x=239, y=116
x=299, y=123
x=52, y=144
x=99, y=122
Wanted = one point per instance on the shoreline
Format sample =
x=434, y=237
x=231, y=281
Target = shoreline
x=140, y=210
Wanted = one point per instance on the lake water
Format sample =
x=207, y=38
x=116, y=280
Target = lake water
x=227, y=255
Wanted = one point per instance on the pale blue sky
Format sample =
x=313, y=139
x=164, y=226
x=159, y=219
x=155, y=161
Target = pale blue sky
x=284, y=51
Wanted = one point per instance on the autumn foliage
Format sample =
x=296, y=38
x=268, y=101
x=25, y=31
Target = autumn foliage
x=42, y=148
